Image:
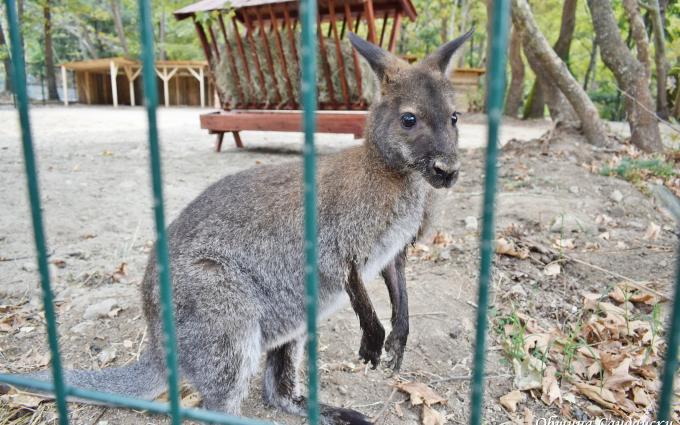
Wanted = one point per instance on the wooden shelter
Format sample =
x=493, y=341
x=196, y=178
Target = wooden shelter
x=235, y=28
x=114, y=81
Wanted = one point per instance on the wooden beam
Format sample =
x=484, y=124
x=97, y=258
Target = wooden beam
x=370, y=20
x=291, y=37
x=268, y=54
x=338, y=53
x=386, y=17
x=131, y=83
x=253, y=50
x=201, y=83
x=232, y=61
x=324, y=62
x=282, y=56
x=64, y=84
x=394, y=35
x=114, y=84
x=241, y=51
x=355, y=56
x=88, y=95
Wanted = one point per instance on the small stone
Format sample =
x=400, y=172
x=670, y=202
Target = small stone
x=28, y=267
x=617, y=212
x=518, y=291
x=101, y=309
x=663, y=263
x=574, y=189
x=445, y=254
x=567, y=223
x=616, y=196
x=457, y=329
x=471, y=223
x=82, y=327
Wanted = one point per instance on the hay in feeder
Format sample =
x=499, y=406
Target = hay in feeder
x=253, y=91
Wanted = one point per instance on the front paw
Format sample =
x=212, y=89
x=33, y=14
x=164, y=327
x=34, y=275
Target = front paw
x=395, y=346
x=371, y=346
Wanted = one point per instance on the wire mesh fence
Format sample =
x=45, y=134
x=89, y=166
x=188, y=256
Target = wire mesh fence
x=495, y=96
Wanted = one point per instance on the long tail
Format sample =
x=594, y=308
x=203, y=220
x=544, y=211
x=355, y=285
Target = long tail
x=143, y=379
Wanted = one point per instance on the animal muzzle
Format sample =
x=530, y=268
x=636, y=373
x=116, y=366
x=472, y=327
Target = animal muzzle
x=444, y=173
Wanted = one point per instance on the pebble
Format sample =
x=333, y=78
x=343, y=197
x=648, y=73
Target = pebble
x=567, y=223
x=616, y=196
x=28, y=267
x=100, y=309
x=471, y=223
x=574, y=189
x=518, y=291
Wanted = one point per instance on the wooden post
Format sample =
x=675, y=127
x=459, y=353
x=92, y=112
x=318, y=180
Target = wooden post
x=88, y=94
x=199, y=76
x=114, y=84
x=166, y=76
x=64, y=83
x=394, y=35
x=216, y=99
x=131, y=76
x=370, y=20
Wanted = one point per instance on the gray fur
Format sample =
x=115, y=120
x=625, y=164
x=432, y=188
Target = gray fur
x=237, y=254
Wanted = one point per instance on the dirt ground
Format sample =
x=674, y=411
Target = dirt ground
x=97, y=205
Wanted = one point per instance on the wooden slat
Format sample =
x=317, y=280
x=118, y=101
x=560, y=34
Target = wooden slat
x=394, y=35
x=268, y=54
x=241, y=51
x=348, y=122
x=324, y=61
x=232, y=62
x=355, y=56
x=386, y=17
x=282, y=55
x=370, y=20
x=338, y=53
x=291, y=38
x=253, y=51
x=356, y=27
x=213, y=41
x=204, y=41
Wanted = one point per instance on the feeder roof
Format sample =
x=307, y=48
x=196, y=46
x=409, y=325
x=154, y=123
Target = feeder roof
x=102, y=64
x=405, y=6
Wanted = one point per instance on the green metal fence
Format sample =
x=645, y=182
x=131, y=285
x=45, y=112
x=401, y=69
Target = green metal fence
x=496, y=87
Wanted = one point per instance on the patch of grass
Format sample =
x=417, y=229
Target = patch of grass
x=639, y=170
x=511, y=329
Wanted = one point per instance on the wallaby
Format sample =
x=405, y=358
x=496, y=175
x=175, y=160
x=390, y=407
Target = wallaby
x=237, y=254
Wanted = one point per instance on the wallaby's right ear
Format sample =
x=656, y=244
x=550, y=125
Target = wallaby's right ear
x=383, y=62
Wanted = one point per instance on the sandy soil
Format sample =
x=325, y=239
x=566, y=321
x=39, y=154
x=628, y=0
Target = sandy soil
x=96, y=199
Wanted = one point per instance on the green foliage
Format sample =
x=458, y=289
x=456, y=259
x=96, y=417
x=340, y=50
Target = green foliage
x=638, y=170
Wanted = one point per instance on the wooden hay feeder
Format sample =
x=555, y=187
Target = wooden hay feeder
x=252, y=48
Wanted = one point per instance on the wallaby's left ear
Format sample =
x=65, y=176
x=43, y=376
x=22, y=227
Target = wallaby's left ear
x=382, y=62
x=439, y=59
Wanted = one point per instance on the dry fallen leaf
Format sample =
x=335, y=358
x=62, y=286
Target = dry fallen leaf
x=508, y=247
x=653, y=231
x=552, y=269
x=528, y=373
x=432, y=417
x=601, y=396
x=421, y=393
x=528, y=417
x=551, y=388
x=442, y=239
x=512, y=399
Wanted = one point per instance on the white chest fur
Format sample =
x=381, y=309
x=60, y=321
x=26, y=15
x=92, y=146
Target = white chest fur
x=395, y=238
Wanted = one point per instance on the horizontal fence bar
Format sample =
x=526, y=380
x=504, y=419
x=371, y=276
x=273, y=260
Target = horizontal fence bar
x=162, y=257
x=134, y=403
x=495, y=95
x=19, y=74
x=309, y=102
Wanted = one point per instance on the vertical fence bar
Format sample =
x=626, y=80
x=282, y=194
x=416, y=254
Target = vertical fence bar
x=665, y=411
x=162, y=258
x=19, y=75
x=495, y=95
x=308, y=88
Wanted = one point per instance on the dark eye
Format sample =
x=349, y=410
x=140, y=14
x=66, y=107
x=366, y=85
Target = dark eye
x=454, y=119
x=408, y=120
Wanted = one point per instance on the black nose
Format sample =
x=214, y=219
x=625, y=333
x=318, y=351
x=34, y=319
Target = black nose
x=446, y=171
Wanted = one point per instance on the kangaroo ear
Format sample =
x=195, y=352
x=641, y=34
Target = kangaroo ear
x=439, y=59
x=383, y=62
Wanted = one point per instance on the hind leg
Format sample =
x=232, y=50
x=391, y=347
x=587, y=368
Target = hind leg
x=220, y=366
x=281, y=389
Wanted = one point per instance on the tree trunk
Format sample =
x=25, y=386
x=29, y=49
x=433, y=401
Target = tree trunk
x=462, y=28
x=556, y=71
x=516, y=88
x=161, y=35
x=118, y=23
x=629, y=74
x=639, y=35
x=660, y=58
x=7, y=63
x=52, y=93
x=591, y=66
x=535, y=105
x=451, y=29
